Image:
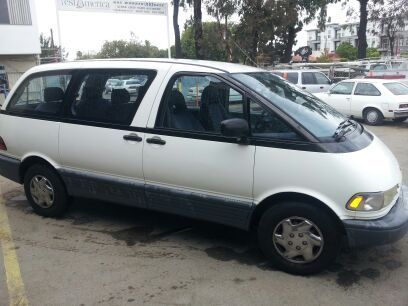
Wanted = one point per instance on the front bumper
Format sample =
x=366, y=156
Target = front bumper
x=401, y=114
x=388, y=229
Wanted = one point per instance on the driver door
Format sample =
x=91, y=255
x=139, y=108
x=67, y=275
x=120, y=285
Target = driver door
x=339, y=97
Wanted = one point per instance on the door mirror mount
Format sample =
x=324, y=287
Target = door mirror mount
x=235, y=128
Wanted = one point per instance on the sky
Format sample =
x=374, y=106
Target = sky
x=87, y=32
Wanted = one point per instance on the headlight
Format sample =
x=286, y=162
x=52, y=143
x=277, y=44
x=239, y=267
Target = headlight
x=373, y=201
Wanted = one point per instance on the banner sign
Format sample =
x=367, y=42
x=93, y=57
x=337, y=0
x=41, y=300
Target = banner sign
x=114, y=6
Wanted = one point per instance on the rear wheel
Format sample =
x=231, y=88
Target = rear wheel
x=373, y=116
x=45, y=191
x=298, y=237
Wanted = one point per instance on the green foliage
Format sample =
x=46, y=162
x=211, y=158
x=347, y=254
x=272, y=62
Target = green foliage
x=373, y=52
x=324, y=58
x=126, y=49
x=346, y=50
x=211, y=44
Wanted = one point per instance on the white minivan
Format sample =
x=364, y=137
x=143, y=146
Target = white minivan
x=307, y=79
x=252, y=152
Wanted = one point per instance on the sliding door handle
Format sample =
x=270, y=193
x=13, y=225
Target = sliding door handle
x=156, y=140
x=133, y=137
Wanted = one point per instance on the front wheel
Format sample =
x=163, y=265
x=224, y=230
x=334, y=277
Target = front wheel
x=299, y=238
x=373, y=116
x=45, y=191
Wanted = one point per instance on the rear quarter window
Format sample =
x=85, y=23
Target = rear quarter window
x=366, y=89
x=41, y=94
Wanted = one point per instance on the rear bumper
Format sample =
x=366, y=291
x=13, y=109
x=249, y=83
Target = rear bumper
x=10, y=168
x=388, y=229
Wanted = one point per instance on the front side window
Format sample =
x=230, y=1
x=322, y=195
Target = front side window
x=310, y=112
x=343, y=88
x=110, y=96
x=265, y=124
x=366, y=89
x=199, y=103
x=321, y=79
x=41, y=95
x=397, y=89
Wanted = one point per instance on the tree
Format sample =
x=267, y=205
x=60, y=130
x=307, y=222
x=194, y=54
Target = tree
x=125, y=49
x=222, y=10
x=346, y=50
x=198, y=28
x=389, y=17
x=212, y=47
x=177, y=42
x=373, y=52
x=49, y=51
x=362, y=30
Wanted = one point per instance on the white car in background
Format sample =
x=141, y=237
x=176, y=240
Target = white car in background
x=131, y=85
x=310, y=80
x=370, y=99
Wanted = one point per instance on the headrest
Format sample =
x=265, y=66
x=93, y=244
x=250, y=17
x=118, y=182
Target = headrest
x=176, y=101
x=52, y=94
x=120, y=96
x=210, y=95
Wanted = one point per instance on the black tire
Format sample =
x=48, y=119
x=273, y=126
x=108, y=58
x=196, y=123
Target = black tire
x=59, y=199
x=399, y=120
x=327, y=225
x=373, y=116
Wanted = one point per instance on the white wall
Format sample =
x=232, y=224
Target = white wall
x=20, y=39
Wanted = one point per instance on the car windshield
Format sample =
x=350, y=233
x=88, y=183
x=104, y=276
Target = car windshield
x=310, y=112
x=397, y=89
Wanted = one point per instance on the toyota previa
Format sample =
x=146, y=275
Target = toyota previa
x=245, y=149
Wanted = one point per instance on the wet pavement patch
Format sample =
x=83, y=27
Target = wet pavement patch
x=392, y=264
x=347, y=278
x=370, y=273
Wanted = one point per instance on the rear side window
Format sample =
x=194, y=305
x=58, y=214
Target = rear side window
x=366, y=89
x=41, y=95
x=110, y=96
x=397, y=89
x=308, y=78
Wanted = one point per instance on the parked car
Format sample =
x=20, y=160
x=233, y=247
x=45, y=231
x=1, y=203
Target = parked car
x=274, y=163
x=110, y=84
x=370, y=99
x=132, y=86
x=310, y=80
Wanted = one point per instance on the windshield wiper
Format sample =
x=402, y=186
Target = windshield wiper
x=343, y=128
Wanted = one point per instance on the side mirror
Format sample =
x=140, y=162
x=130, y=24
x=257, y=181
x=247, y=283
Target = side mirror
x=235, y=128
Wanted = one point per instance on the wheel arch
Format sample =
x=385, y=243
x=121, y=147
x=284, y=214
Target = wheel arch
x=32, y=159
x=290, y=196
x=367, y=107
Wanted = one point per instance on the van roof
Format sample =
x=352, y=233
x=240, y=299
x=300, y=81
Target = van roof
x=109, y=63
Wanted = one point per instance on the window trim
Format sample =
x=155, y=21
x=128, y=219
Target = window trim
x=54, y=117
x=358, y=83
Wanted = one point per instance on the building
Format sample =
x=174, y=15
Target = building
x=19, y=38
x=335, y=33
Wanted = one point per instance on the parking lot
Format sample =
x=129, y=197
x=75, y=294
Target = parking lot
x=102, y=254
